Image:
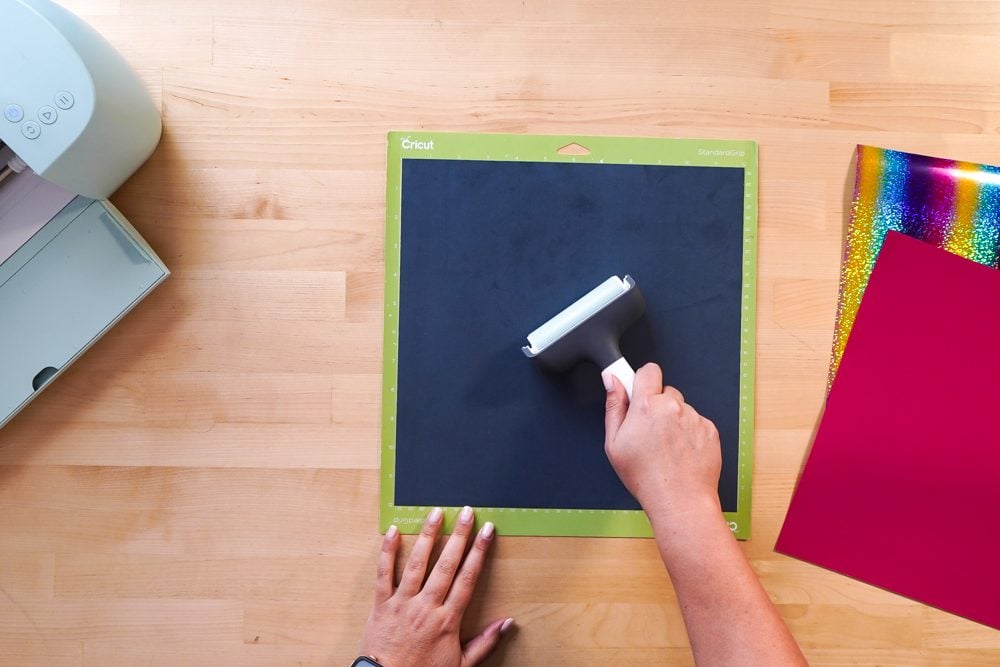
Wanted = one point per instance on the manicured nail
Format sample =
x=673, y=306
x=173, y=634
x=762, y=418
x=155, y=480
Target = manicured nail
x=506, y=626
x=609, y=384
x=466, y=515
x=435, y=515
x=392, y=532
x=487, y=531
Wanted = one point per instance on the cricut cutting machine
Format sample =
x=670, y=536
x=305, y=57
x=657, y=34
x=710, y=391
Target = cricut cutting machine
x=76, y=123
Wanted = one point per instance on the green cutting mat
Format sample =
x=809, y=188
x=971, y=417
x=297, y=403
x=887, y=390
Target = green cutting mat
x=602, y=150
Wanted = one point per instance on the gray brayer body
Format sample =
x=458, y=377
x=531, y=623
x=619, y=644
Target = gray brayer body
x=591, y=328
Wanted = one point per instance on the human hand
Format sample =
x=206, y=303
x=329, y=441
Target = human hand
x=417, y=623
x=666, y=454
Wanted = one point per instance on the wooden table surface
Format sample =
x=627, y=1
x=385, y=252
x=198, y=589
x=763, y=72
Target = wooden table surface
x=200, y=488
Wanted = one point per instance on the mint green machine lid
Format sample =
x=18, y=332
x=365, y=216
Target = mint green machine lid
x=62, y=290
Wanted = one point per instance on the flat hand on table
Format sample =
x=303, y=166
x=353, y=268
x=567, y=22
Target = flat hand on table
x=417, y=623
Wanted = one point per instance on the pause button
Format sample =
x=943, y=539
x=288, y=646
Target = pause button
x=64, y=100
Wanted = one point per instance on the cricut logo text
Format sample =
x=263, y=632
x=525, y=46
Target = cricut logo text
x=409, y=142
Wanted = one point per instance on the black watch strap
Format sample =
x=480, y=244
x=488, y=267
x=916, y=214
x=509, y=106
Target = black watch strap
x=366, y=661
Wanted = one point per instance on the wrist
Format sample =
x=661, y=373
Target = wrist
x=681, y=506
x=689, y=532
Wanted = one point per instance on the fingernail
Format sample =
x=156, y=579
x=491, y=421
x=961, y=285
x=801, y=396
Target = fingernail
x=435, y=515
x=392, y=532
x=487, y=531
x=466, y=515
x=609, y=384
x=506, y=626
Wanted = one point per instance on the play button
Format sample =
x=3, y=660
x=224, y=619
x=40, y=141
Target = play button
x=47, y=115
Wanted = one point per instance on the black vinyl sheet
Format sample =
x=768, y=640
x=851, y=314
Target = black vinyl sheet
x=491, y=250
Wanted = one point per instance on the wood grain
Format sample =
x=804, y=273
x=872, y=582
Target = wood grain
x=200, y=488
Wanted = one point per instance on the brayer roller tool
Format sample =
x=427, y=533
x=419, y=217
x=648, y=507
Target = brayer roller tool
x=591, y=329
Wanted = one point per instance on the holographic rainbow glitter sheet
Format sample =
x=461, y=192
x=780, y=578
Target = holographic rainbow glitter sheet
x=953, y=205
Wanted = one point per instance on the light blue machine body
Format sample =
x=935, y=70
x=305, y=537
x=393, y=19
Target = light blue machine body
x=75, y=114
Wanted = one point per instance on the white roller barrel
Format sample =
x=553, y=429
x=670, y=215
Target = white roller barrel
x=575, y=314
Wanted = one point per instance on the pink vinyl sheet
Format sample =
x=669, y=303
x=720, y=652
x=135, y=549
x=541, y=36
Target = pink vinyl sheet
x=902, y=485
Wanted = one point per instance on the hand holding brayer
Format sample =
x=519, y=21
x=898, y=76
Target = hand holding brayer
x=669, y=458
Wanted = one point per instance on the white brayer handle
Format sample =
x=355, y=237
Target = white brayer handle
x=623, y=371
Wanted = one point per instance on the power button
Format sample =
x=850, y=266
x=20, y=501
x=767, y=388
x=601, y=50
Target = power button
x=14, y=113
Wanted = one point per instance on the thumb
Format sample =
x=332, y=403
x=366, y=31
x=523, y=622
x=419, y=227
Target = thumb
x=479, y=647
x=615, y=407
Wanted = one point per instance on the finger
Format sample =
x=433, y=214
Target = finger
x=465, y=582
x=674, y=394
x=416, y=567
x=447, y=565
x=479, y=647
x=710, y=429
x=385, y=567
x=615, y=407
x=648, y=381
